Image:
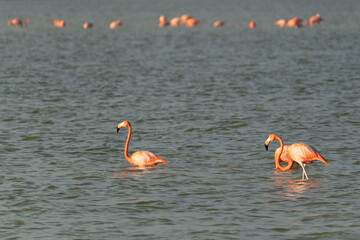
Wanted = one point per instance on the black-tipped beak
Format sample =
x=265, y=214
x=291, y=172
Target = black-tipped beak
x=117, y=129
x=266, y=147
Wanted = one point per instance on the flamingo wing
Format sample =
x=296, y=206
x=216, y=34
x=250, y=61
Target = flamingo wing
x=303, y=153
x=145, y=158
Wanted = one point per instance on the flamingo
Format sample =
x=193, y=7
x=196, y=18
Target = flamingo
x=59, y=23
x=175, y=22
x=15, y=22
x=115, y=24
x=281, y=22
x=88, y=25
x=218, y=23
x=191, y=22
x=139, y=158
x=252, y=24
x=184, y=18
x=298, y=152
x=162, y=21
x=315, y=19
x=294, y=22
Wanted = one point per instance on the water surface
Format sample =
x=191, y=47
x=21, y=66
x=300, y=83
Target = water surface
x=204, y=99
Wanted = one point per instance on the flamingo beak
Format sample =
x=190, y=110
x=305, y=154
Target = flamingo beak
x=266, y=147
x=117, y=129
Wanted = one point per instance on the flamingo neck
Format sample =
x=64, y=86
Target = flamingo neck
x=277, y=157
x=126, y=152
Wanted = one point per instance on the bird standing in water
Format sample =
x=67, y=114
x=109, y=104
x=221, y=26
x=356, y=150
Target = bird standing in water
x=298, y=152
x=139, y=158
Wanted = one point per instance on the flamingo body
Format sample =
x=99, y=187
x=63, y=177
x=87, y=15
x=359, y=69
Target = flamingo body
x=15, y=22
x=145, y=158
x=304, y=154
x=300, y=153
x=252, y=24
x=218, y=23
x=281, y=22
x=139, y=158
x=115, y=24
x=175, y=22
x=59, y=23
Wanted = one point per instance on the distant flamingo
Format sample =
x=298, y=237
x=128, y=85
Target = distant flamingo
x=299, y=152
x=252, y=24
x=315, y=19
x=294, y=22
x=59, y=23
x=218, y=23
x=15, y=22
x=115, y=24
x=184, y=18
x=175, y=22
x=140, y=158
x=191, y=22
x=281, y=22
x=88, y=25
x=27, y=20
x=162, y=21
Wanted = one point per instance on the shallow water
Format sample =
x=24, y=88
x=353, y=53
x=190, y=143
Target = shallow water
x=204, y=99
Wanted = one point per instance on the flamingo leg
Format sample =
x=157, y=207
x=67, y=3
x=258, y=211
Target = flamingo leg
x=304, y=172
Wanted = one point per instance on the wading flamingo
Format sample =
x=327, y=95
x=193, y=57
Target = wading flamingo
x=252, y=24
x=15, y=22
x=315, y=19
x=298, y=152
x=175, y=22
x=294, y=22
x=162, y=21
x=115, y=24
x=218, y=23
x=281, y=23
x=88, y=25
x=139, y=158
x=59, y=23
x=191, y=22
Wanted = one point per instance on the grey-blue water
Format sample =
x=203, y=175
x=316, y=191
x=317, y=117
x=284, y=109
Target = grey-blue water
x=205, y=99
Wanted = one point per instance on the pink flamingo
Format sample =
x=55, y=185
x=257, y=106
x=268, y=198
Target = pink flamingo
x=59, y=23
x=88, y=25
x=298, y=152
x=175, y=22
x=15, y=22
x=191, y=22
x=115, y=24
x=162, y=21
x=139, y=158
x=252, y=24
x=294, y=22
x=218, y=23
x=281, y=22
x=315, y=19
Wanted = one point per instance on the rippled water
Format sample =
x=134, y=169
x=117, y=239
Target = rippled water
x=204, y=99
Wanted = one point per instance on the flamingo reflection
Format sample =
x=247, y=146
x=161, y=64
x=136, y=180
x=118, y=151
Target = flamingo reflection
x=133, y=172
x=293, y=189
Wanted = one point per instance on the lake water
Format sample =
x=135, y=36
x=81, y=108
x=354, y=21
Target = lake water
x=205, y=99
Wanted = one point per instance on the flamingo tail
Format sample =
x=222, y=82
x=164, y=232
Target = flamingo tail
x=321, y=158
x=158, y=160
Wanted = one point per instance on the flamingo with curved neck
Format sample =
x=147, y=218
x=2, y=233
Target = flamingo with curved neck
x=298, y=152
x=139, y=158
x=280, y=154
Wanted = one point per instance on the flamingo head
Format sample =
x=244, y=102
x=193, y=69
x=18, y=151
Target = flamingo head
x=271, y=138
x=123, y=124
